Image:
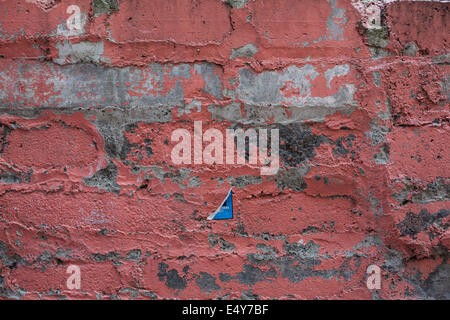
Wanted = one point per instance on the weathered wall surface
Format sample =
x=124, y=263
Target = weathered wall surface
x=86, y=176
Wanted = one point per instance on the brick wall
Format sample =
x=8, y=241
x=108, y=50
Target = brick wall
x=359, y=92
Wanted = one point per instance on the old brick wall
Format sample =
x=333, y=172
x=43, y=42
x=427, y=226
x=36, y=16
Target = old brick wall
x=86, y=176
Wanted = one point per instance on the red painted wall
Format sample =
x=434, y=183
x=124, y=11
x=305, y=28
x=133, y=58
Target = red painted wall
x=86, y=176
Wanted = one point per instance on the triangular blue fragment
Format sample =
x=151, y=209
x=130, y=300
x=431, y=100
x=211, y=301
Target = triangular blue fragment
x=225, y=211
